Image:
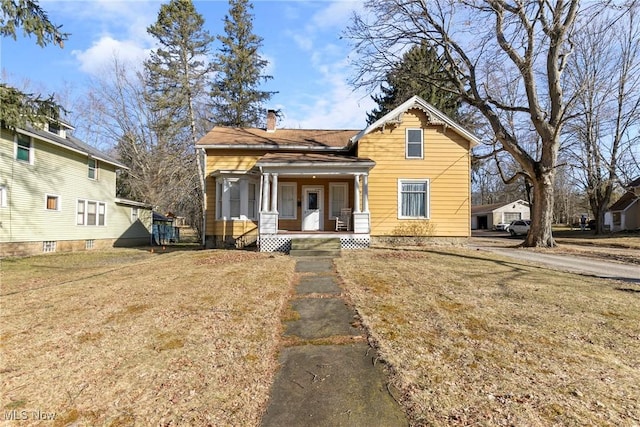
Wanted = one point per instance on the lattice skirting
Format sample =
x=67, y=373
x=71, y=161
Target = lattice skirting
x=275, y=244
x=280, y=243
x=355, y=242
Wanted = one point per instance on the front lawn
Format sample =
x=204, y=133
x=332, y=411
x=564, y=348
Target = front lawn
x=487, y=340
x=126, y=337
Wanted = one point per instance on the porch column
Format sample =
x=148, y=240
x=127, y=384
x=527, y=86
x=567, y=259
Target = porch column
x=274, y=192
x=365, y=193
x=356, y=193
x=265, y=192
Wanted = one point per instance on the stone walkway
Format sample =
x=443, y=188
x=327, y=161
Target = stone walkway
x=329, y=377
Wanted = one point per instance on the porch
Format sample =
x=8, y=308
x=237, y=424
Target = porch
x=313, y=196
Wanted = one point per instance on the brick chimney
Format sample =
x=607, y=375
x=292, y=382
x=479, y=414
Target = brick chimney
x=271, y=120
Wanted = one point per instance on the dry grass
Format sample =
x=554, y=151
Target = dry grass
x=629, y=240
x=494, y=341
x=127, y=337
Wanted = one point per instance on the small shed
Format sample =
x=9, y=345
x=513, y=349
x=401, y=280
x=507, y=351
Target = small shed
x=486, y=217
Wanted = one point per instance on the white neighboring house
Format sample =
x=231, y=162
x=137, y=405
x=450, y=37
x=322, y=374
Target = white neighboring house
x=493, y=216
x=624, y=214
x=59, y=194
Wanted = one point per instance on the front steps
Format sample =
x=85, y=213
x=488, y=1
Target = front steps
x=315, y=247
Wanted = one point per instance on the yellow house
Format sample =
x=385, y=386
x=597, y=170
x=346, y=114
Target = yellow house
x=406, y=175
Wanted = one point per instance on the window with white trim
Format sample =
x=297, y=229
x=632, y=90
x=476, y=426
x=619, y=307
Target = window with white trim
x=24, y=148
x=414, y=144
x=236, y=198
x=90, y=212
x=52, y=202
x=287, y=200
x=413, y=198
x=3, y=196
x=92, y=165
x=338, y=198
x=252, y=203
x=134, y=214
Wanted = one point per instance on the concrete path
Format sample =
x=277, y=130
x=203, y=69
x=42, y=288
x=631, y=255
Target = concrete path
x=573, y=263
x=330, y=377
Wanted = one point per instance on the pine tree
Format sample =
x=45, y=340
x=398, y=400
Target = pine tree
x=236, y=98
x=176, y=73
x=19, y=108
x=419, y=73
x=176, y=79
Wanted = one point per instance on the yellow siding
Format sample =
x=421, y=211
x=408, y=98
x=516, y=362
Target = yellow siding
x=445, y=163
x=231, y=159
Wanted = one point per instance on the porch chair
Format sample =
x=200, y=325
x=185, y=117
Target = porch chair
x=344, y=220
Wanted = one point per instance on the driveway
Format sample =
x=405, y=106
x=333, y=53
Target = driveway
x=503, y=244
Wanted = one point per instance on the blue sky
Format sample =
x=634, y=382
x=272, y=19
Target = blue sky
x=308, y=59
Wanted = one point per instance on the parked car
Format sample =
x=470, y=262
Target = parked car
x=520, y=226
x=501, y=226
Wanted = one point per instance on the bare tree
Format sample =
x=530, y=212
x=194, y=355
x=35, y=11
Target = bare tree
x=506, y=59
x=120, y=116
x=604, y=73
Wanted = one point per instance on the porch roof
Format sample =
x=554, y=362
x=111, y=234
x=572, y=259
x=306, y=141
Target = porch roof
x=311, y=163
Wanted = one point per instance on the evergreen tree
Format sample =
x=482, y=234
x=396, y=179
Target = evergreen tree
x=177, y=77
x=236, y=98
x=176, y=72
x=418, y=73
x=18, y=108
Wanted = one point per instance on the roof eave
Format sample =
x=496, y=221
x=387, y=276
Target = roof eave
x=75, y=150
x=407, y=105
x=269, y=147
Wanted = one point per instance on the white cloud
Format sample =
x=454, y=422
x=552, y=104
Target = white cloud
x=101, y=54
x=329, y=102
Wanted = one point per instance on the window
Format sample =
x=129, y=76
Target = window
x=252, y=204
x=134, y=214
x=91, y=213
x=413, y=198
x=337, y=198
x=52, y=203
x=287, y=200
x=93, y=168
x=617, y=218
x=23, y=148
x=414, y=144
x=48, y=246
x=54, y=128
x=236, y=198
x=3, y=197
x=89, y=244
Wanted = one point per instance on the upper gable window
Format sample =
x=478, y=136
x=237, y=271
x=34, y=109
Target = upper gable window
x=93, y=169
x=54, y=128
x=414, y=145
x=24, y=149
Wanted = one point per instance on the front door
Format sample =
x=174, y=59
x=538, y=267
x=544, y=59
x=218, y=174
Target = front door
x=313, y=198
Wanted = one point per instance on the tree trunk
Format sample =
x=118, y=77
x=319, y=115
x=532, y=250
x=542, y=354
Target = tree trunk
x=540, y=234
